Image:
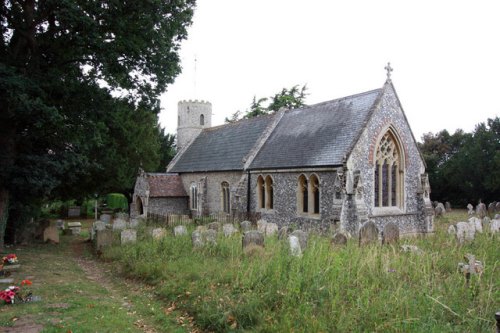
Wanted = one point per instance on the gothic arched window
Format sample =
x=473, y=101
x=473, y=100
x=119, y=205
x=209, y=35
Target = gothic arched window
x=302, y=195
x=194, y=196
x=225, y=197
x=388, y=180
x=202, y=120
x=269, y=193
x=261, y=192
x=314, y=194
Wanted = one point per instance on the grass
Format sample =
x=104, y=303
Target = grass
x=72, y=301
x=374, y=288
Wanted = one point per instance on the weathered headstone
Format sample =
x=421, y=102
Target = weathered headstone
x=486, y=222
x=283, y=232
x=158, y=233
x=75, y=227
x=495, y=226
x=294, y=243
x=465, y=232
x=452, y=230
x=439, y=211
x=470, y=210
x=253, y=237
x=339, y=238
x=134, y=223
x=106, y=218
x=197, y=239
x=228, y=229
x=180, y=230
x=271, y=229
x=303, y=238
x=103, y=238
x=97, y=225
x=492, y=208
x=476, y=224
x=123, y=216
x=51, y=234
x=201, y=228
x=447, y=206
x=214, y=226
x=128, y=236
x=246, y=226
x=210, y=236
x=390, y=233
x=368, y=233
x=481, y=210
x=60, y=224
x=119, y=224
x=261, y=226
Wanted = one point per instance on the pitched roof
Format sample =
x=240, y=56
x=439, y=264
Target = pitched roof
x=317, y=135
x=165, y=185
x=222, y=148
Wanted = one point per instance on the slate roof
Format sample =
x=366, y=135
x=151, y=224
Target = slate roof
x=222, y=148
x=317, y=135
x=165, y=185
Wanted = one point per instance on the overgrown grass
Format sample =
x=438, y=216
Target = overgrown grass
x=342, y=289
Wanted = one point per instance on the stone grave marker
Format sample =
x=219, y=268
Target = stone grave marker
x=303, y=238
x=228, y=229
x=158, y=233
x=201, y=228
x=60, y=224
x=294, y=243
x=119, y=224
x=476, y=224
x=452, y=230
x=261, y=226
x=412, y=249
x=51, y=234
x=271, y=229
x=75, y=227
x=368, y=233
x=197, y=239
x=106, y=218
x=495, y=226
x=283, y=232
x=470, y=209
x=210, y=236
x=123, y=216
x=134, y=223
x=447, y=206
x=180, y=230
x=481, y=210
x=253, y=237
x=439, y=211
x=128, y=236
x=390, y=234
x=214, y=226
x=339, y=238
x=246, y=226
x=103, y=238
x=74, y=211
x=497, y=207
x=465, y=232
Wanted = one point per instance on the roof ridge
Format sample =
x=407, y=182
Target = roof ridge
x=242, y=120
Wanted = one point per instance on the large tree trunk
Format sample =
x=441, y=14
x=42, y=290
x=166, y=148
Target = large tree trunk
x=4, y=214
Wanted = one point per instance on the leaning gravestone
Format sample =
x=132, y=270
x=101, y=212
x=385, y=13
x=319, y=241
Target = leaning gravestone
x=106, y=218
x=303, y=238
x=119, y=224
x=271, y=229
x=214, y=226
x=261, y=226
x=103, y=238
x=158, y=233
x=228, y=229
x=246, y=226
x=294, y=243
x=283, y=232
x=339, y=238
x=253, y=237
x=481, y=210
x=390, y=233
x=180, y=230
x=128, y=236
x=75, y=227
x=368, y=233
x=51, y=234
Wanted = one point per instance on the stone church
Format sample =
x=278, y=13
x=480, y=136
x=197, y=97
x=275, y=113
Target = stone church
x=335, y=164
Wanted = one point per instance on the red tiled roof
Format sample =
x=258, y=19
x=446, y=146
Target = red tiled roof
x=162, y=185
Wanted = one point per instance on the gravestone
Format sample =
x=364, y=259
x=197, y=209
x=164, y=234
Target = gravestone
x=497, y=207
x=51, y=234
x=283, y=232
x=470, y=209
x=123, y=216
x=97, y=225
x=452, y=230
x=196, y=239
x=60, y=224
x=339, y=238
x=103, y=238
x=106, y=218
x=134, y=223
x=476, y=224
x=390, y=233
x=74, y=211
x=119, y=224
x=447, y=206
x=481, y=210
x=201, y=228
x=253, y=237
x=294, y=243
x=271, y=229
x=368, y=233
x=228, y=229
x=303, y=238
x=495, y=226
x=246, y=226
x=465, y=232
x=75, y=227
x=128, y=236
x=214, y=226
x=439, y=211
x=261, y=226
x=412, y=249
x=158, y=233
x=210, y=236
x=491, y=208
x=180, y=230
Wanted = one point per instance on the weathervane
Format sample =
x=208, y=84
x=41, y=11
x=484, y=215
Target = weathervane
x=389, y=69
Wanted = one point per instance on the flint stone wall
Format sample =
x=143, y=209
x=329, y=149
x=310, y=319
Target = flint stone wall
x=165, y=206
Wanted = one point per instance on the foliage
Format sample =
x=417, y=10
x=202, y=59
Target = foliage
x=292, y=98
x=79, y=87
x=167, y=149
x=117, y=202
x=345, y=289
x=464, y=167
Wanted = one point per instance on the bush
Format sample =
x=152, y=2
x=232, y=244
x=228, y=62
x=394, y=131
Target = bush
x=117, y=202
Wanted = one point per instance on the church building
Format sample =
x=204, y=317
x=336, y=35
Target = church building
x=336, y=164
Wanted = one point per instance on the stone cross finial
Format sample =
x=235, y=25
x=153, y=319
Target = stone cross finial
x=389, y=69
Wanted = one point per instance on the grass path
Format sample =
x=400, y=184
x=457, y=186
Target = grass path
x=81, y=294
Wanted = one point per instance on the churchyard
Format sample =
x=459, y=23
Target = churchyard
x=419, y=284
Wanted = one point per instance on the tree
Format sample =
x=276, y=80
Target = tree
x=292, y=98
x=62, y=66
x=167, y=149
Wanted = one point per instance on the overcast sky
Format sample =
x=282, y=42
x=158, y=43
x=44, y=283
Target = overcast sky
x=445, y=55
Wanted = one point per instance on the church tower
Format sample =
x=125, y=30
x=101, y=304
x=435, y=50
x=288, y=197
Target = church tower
x=192, y=118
